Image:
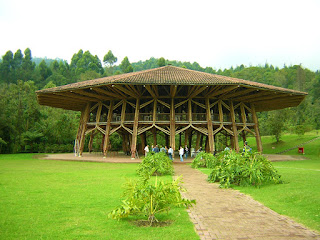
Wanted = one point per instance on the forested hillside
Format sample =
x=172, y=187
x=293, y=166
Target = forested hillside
x=27, y=127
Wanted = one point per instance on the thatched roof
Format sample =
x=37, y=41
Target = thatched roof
x=130, y=85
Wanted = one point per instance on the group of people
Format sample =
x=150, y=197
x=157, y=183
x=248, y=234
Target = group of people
x=183, y=152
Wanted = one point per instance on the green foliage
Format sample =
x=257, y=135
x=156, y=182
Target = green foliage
x=204, y=160
x=109, y=59
x=243, y=169
x=126, y=66
x=155, y=164
x=148, y=199
x=161, y=62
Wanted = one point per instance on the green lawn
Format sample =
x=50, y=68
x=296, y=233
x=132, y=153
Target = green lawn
x=42, y=199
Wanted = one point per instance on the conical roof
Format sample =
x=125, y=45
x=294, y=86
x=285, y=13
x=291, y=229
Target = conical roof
x=73, y=96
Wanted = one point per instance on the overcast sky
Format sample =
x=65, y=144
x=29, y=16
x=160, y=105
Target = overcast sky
x=213, y=33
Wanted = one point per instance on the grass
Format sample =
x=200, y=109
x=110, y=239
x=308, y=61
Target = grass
x=287, y=141
x=43, y=199
x=299, y=196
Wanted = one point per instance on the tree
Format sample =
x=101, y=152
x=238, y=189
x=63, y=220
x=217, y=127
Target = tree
x=44, y=71
x=161, y=62
x=17, y=59
x=276, y=122
x=6, y=68
x=126, y=66
x=27, y=65
x=109, y=59
x=82, y=62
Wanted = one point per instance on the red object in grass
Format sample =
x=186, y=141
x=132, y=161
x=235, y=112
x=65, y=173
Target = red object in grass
x=301, y=150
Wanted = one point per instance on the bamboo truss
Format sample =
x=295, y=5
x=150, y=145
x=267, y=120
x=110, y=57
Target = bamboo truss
x=196, y=115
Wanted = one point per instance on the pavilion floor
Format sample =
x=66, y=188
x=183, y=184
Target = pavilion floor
x=114, y=157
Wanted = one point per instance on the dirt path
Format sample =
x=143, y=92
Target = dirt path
x=229, y=214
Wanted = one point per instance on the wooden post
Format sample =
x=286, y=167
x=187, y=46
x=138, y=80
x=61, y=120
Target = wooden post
x=143, y=142
x=234, y=128
x=135, y=130
x=90, y=142
x=98, y=113
x=108, y=128
x=172, y=125
x=198, y=141
x=210, y=128
x=186, y=137
x=84, y=121
x=154, y=116
x=256, y=128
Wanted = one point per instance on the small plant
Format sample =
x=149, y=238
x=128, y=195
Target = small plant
x=148, y=199
x=155, y=164
x=204, y=160
x=243, y=169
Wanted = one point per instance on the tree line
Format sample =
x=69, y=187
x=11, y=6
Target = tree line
x=25, y=126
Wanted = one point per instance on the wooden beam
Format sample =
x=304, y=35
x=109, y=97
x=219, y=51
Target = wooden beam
x=173, y=91
x=107, y=93
x=172, y=125
x=84, y=120
x=238, y=93
x=155, y=90
x=151, y=91
x=99, y=113
x=76, y=96
x=256, y=128
x=251, y=96
x=130, y=93
x=135, y=130
x=198, y=91
x=210, y=127
x=108, y=128
x=117, y=91
x=224, y=90
x=234, y=128
x=85, y=93
x=63, y=97
x=123, y=111
x=189, y=111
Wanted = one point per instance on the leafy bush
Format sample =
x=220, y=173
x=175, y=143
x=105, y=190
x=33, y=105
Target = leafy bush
x=155, y=164
x=148, y=199
x=203, y=159
x=243, y=169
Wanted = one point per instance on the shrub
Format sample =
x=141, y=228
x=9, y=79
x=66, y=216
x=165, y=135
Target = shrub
x=155, y=164
x=148, y=199
x=204, y=160
x=243, y=169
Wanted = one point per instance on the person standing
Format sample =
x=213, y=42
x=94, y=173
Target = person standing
x=186, y=152
x=170, y=153
x=156, y=149
x=181, y=152
x=146, y=150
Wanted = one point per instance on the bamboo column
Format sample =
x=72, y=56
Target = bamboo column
x=90, y=142
x=198, y=141
x=256, y=128
x=244, y=121
x=234, y=128
x=108, y=128
x=154, y=116
x=210, y=128
x=135, y=130
x=172, y=125
x=84, y=120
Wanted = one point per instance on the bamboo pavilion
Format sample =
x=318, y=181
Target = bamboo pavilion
x=170, y=100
